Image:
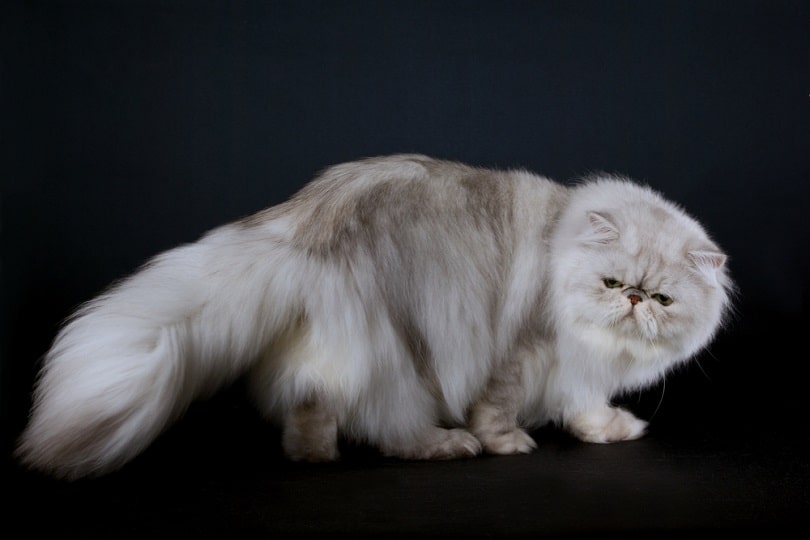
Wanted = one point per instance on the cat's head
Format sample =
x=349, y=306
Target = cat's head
x=634, y=268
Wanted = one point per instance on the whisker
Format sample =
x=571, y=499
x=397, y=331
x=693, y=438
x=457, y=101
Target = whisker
x=661, y=399
x=700, y=367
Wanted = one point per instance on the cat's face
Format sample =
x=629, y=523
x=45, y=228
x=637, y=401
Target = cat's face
x=642, y=293
x=644, y=274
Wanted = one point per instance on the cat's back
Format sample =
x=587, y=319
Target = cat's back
x=404, y=179
x=411, y=193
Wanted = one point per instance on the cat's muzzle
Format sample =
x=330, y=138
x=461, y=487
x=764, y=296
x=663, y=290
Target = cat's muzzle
x=634, y=295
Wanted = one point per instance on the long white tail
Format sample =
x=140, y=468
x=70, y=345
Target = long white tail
x=130, y=361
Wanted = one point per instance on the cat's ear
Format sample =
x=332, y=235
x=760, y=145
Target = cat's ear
x=708, y=261
x=601, y=229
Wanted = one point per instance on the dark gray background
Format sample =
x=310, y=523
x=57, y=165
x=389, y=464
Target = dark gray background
x=130, y=127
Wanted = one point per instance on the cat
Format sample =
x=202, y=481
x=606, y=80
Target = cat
x=426, y=308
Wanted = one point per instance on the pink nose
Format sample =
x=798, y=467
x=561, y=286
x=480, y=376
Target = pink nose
x=634, y=299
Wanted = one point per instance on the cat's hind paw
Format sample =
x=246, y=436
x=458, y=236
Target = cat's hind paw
x=438, y=444
x=456, y=443
x=515, y=441
x=605, y=425
x=496, y=428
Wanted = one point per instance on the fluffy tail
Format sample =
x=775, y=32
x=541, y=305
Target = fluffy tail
x=130, y=361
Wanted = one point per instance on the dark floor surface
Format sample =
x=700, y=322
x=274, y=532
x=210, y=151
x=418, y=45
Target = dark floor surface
x=219, y=473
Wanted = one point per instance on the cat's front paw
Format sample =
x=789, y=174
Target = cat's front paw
x=605, y=425
x=515, y=441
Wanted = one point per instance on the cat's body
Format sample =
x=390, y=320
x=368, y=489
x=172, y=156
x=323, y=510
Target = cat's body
x=427, y=308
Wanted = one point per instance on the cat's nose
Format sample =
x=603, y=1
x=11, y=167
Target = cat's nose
x=634, y=295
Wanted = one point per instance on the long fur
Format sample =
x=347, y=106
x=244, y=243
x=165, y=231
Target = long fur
x=429, y=308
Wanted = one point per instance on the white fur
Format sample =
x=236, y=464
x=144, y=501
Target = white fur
x=279, y=299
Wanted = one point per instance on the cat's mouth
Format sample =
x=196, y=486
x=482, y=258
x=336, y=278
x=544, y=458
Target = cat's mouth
x=644, y=324
x=638, y=322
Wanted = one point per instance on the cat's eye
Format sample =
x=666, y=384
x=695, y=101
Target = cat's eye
x=611, y=283
x=663, y=299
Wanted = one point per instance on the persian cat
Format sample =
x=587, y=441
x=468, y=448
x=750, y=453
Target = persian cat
x=427, y=308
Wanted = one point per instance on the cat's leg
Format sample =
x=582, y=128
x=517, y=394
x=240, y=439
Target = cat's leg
x=493, y=418
x=434, y=443
x=605, y=424
x=310, y=432
x=402, y=422
x=288, y=389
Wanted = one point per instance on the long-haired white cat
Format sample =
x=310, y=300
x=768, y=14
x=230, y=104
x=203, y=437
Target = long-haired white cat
x=430, y=309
